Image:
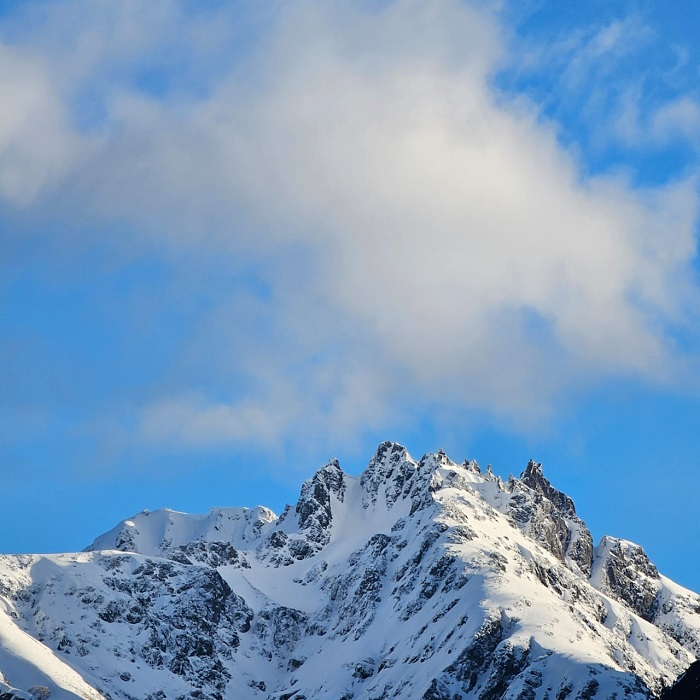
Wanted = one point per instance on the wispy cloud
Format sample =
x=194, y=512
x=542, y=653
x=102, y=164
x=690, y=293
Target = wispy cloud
x=613, y=84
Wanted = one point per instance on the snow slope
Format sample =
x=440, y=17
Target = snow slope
x=418, y=579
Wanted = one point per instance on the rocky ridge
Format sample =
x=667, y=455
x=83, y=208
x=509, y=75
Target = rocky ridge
x=418, y=579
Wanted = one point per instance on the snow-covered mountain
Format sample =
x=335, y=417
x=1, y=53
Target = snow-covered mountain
x=427, y=580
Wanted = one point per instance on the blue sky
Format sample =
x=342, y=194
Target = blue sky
x=237, y=241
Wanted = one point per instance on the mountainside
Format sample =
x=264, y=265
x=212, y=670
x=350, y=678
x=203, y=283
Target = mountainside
x=426, y=580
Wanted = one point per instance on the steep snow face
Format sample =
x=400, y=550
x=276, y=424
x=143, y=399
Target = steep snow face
x=417, y=579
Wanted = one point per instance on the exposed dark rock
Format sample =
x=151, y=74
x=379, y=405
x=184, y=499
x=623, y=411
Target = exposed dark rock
x=535, y=479
x=313, y=509
x=687, y=686
x=549, y=517
x=628, y=575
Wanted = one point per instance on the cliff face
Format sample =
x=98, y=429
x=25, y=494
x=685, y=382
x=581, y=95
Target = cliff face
x=417, y=579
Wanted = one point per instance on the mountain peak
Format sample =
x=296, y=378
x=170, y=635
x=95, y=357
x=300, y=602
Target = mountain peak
x=314, y=508
x=533, y=468
x=536, y=480
x=386, y=449
x=549, y=516
x=389, y=470
x=471, y=466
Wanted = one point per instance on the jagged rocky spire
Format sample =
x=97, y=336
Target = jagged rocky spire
x=535, y=479
x=313, y=509
x=549, y=516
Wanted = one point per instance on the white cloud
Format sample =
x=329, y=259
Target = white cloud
x=612, y=83
x=37, y=146
x=330, y=405
x=678, y=120
x=438, y=224
x=191, y=420
x=641, y=125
